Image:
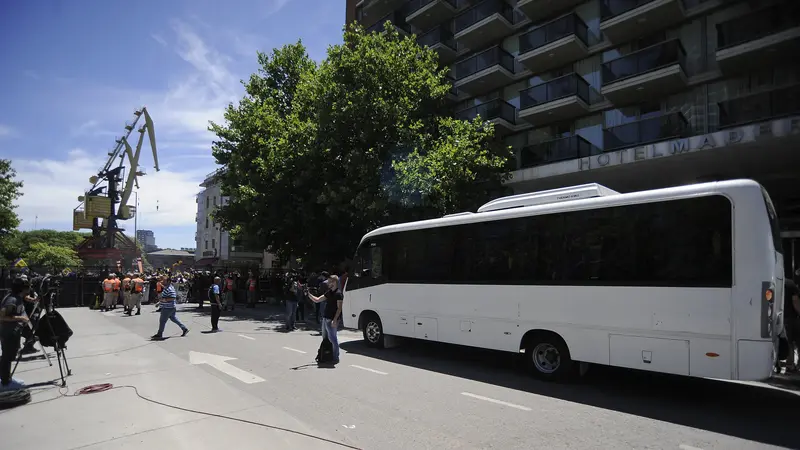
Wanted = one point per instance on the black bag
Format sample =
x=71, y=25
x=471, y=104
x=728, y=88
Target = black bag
x=325, y=352
x=53, y=330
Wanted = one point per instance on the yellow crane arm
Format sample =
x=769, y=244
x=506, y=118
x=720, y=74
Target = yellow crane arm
x=151, y=133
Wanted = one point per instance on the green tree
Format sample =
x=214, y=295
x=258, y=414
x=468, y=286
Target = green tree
x=52, y=257
x=9, y=193
x=364, y=140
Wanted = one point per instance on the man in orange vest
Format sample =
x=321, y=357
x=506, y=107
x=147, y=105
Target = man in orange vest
x=108, y=292
x=117, y=284
x=229, y=287
x=252, y=282
x=137, y=289
x=126, y=293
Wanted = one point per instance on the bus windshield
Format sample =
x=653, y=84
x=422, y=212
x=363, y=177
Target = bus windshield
x=773, y=222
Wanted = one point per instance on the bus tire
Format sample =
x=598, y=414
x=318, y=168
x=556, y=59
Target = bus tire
x=548, y=357
x=373, y=331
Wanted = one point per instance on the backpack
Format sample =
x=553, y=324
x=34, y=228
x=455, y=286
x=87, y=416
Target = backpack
x=325, y=352
x=211, y=295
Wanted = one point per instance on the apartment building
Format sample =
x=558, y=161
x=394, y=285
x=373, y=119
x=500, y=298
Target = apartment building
x=215, y=247
x=632, y=94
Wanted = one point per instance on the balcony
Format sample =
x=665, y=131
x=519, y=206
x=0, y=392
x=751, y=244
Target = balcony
x=761, y=38
x=554, y=44
x=563, y=149
x=425, y=14
x=499, y=112
x=646, y=131
x=654, y=71
x=537, y=10
x=485, y=71
x=453, y=93
x=373, y=11
x=624, y=20
x=563, y=98
x=441, y=41
x=396, y=19
x=485, y=22
x=759, y=107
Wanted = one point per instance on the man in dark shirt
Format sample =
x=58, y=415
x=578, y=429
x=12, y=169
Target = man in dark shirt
x=12, y=321
x=333, y=311
x=791, y=320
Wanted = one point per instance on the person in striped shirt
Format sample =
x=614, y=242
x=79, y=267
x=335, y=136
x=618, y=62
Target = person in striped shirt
x=167, y=302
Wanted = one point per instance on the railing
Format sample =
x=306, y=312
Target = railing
x=757, y=25
x=438, y=35
x=563, y=149
x=553, y=31
x=490, y=57
x=415, y=5
x=481, y=11
x=494, y=109
x=613, y=8
x=397, y=19
x=645, y=131
x=645, y=60
x=561, y=87
x=759, y=106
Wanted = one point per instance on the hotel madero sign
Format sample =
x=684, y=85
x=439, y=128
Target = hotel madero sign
x=732, y=136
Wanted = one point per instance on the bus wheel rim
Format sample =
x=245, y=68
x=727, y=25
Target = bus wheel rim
x=373, y=332
x=546, y=358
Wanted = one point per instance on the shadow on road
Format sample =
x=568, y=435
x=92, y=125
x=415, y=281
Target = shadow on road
x=755, y=413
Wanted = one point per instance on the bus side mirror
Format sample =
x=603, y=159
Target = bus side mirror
x=365, y=273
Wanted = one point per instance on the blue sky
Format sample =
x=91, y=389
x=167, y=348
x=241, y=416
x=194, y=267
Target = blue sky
x=73, y=72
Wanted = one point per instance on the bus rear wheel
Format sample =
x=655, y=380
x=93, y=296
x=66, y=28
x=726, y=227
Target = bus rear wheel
x=548, y=357
x=373, y=331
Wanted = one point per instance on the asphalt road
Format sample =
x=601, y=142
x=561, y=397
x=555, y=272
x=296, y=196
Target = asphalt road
x=424, y=395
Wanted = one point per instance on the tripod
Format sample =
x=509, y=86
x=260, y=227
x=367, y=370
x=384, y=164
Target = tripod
x=61, y=357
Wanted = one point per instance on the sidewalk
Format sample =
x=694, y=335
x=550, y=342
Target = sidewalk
x=102, y=352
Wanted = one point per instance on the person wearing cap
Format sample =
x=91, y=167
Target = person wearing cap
x=12, y=320
x=168, y=304
x=108, y=292
x=137, y=291
x=126, y=294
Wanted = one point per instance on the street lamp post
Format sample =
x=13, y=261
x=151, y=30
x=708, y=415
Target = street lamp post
x=136, y=218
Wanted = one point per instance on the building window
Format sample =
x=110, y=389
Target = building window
x=208, y=200
x=206, y=222
x=214, y=243
x=206, y=245
x=215, y=200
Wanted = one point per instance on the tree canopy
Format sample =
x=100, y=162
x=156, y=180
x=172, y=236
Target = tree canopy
x=316, y=155
x=55, y=257
x=21, y=243
x=9, y=193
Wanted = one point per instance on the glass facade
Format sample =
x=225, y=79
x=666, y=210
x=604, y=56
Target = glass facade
x=712, y=93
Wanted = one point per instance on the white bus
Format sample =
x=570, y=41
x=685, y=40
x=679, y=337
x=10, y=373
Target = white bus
x=686, y=280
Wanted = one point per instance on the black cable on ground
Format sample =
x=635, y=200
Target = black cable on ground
x=104, y=387
x=11, y=399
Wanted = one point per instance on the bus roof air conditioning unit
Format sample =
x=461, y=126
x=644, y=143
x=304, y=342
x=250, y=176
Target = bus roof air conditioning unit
x=549, y=196
x=466, y=213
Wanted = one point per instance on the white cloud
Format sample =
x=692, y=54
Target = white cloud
x=5, y=130
x=159, y=39
x=273, y=6
x=52, y=188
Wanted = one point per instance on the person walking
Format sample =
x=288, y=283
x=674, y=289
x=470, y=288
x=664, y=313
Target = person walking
x=333, y=310
x=216, y=304
x=168, y=309
x=137, y=291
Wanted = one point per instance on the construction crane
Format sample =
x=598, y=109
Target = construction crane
x=106, y=201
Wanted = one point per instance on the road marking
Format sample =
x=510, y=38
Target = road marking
x=221, y=363
x=370, y=370
x=688, y=447
x=499, y=402
x=247, y=337
x=294, y=350
x=346, y=340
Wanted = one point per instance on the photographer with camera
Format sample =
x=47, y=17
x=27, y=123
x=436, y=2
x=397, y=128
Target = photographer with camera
x=12, y=321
